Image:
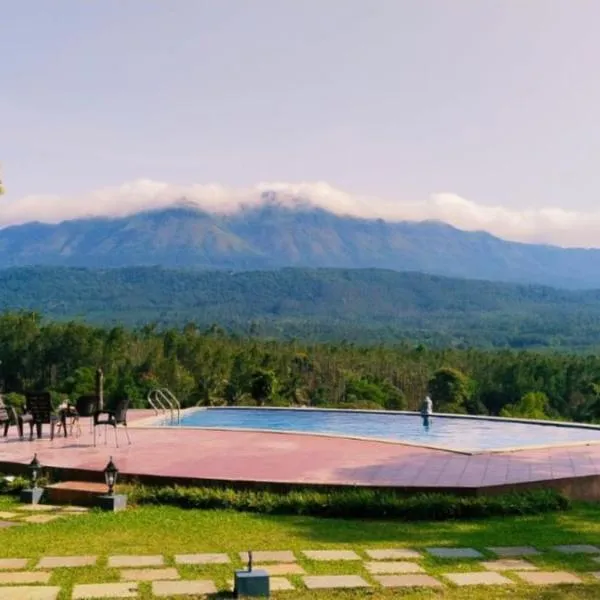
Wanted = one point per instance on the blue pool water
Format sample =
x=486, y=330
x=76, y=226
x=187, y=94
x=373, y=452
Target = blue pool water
x=448, y=432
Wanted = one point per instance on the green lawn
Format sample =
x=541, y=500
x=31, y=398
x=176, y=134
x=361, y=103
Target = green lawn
x=169, y=531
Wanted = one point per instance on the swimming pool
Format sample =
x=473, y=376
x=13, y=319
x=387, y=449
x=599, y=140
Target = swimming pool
x=465, y=434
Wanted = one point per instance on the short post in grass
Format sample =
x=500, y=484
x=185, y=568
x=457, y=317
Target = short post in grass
x=33, y=494
x=251, y=582
x=111, y=501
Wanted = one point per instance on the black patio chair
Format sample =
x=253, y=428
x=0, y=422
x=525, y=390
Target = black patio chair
x=38, y=411
x=87, y=406
x=114, y=418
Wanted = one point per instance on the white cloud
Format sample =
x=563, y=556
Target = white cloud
x=545, y=225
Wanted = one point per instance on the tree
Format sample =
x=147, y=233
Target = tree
x=533, y=405
x=450, y=390
x=263, y=386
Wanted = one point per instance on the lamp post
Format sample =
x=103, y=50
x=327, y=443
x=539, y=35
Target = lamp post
x=33, y=494
x=111, y=501
x=111, y=473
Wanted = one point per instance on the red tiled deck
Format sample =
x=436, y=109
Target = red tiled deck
x=304, y=459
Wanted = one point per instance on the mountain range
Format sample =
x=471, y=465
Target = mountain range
x=275, y=235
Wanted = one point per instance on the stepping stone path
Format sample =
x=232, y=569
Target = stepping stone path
x=395, y=567
x=265, y=556
x=463, y=579
x=331, y=555
x=201, y=559
x=24, y=577
x=39, y=519
x=59, y=562
x=386, y=568
x=508, y=564
x=393, y=554
x=508, y=551
x=136, y=561
x=284, y=569
x=407, y=581
x=167, y=589
x=13, y=563
x=327, y=582
x=577, y=549
x=454, y=552
x=149, y=574
x=549, y=577
x=31, y=593
x=105, y=590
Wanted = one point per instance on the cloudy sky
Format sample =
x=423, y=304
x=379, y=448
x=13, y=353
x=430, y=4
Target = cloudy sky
x=481, y=112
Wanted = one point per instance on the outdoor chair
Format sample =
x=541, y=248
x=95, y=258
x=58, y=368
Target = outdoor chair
x=38, y=410
x=114, y=418
x=8, y=416
x=86, y=406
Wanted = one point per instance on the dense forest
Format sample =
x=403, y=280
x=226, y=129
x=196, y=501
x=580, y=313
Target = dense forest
x=356, y=305
x=211, y=367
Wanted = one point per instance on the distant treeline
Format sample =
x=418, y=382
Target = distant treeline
x=209, y=367
x=365, y=306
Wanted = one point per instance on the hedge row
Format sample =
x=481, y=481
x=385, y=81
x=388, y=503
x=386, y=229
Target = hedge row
x=353, y=503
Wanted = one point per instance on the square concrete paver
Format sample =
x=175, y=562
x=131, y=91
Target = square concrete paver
x=41, y=519
x=136, y=561
x=331, y=555
x=57, y=562
x=5, y=524
x=38, y=507
x=482, y=578
x=261, y=556
x=168, y=589
x=577, y=549
x=13, y=563
x=201, y=559
x=30, y=592
x=454, y=552
x=513, y=550
x=149, y=574
x=91, y=591
x=407, y=581
x=509, y=564
x=548, y=577
x=280, y=584
x=24, y=577
x=75, y=509
x=284, y=569
x=8, y=515
x=393, y=567
x=393, y=554
x=327, y=582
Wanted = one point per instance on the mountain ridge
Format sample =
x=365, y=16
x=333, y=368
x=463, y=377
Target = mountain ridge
x=272, y=236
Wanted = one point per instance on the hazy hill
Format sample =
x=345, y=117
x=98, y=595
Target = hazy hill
x=364, y=305
x=274, y=236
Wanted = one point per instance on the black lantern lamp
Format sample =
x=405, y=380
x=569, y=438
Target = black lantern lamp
x=111, y=501
x=111, y=473
x=33, y=494
x=34, y=469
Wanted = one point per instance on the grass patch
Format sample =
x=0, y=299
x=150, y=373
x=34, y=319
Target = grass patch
x=169, y=530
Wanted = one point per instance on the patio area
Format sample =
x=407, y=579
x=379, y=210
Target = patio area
x=187, y=455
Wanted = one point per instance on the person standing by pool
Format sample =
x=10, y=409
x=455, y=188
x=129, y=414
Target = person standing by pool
x=426, y=411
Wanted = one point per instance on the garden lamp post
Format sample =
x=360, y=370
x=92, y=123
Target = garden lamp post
x=111, y=501
x=33, y=494
x=111, y=473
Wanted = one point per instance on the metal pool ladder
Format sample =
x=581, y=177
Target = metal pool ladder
x=164, y=401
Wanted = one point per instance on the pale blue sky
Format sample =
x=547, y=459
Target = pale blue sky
x=497, y=101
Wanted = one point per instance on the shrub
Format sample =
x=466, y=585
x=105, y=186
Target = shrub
x=353, y=503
